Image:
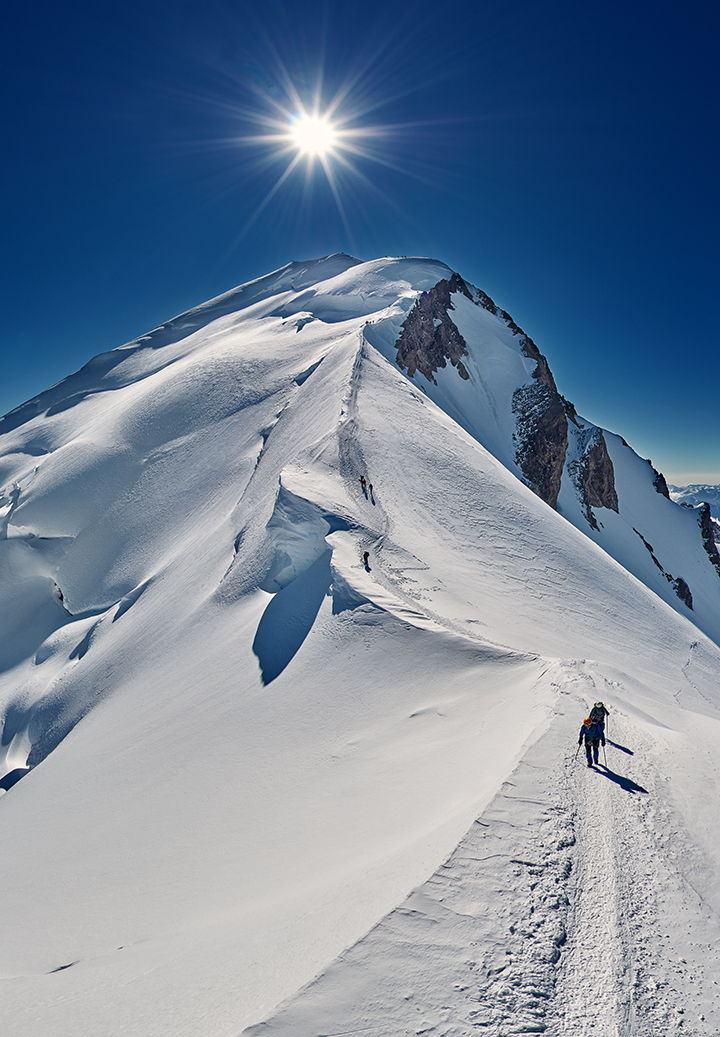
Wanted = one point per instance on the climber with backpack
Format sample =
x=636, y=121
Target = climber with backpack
x=593, y=733
x=598, y=713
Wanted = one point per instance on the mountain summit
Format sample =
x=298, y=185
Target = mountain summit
x=295, y=589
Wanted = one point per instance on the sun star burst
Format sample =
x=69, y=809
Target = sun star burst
x=312, y=134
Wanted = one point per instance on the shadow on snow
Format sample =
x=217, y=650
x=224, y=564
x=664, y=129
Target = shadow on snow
x=624, y=783
x=12, y=778
x=622, y=748
x=289, y=617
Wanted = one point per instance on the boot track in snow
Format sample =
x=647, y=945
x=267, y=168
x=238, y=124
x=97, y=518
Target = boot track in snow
x=558, y=913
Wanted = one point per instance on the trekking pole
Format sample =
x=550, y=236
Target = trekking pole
x=576, y=752
x=605, y=755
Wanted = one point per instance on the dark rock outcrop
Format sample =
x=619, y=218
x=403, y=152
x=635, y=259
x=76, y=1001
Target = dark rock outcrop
x=594, y=475
x=541, y=432
x=659, y=481
x=429, y=338
x=678, y=584
x=541, y=437
x=599, y=476
x=571, y=412
x=708, y=535
x=683, y=592
x=650, y=548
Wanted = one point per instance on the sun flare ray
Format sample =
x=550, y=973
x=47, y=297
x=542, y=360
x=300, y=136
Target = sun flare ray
x=331, y=148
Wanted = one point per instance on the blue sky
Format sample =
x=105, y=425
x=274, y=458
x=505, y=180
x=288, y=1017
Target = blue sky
x=561, y=156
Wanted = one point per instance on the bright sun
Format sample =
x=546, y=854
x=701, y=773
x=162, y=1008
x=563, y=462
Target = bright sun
x=312, y=134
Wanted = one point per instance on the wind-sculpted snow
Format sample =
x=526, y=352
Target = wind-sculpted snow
x=291, y=670
x=120, y=366
x=298, y=530
x=299, y=579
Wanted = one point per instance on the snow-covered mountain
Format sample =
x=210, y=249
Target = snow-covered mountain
x=705, y=498
x=501, y=390
x=235, y=745
x=696, y=494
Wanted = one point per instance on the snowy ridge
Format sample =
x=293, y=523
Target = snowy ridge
x=506, y=398
x=561, y=911
x=243, y=748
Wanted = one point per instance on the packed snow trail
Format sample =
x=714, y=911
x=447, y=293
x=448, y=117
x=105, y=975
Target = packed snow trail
x=558, y=913
x=605, y=984
x=641, y=960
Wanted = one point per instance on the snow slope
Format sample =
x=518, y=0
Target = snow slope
x=655, y=540
x=249, y=751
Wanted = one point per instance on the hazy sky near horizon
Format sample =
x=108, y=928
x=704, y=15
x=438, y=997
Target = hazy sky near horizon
x=563, y=157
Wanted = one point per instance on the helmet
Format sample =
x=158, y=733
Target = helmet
x=587, y=721
x=599, y=704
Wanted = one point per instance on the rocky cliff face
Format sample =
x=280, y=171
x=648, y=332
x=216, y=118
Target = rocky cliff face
x=598, y=480
x=429, y=338
x=659, y=482
x=593, y=474
x=707, y=529
x=541, y=438
x=541, y=434
x=544, y=420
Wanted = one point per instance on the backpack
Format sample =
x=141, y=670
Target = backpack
x=598, y=713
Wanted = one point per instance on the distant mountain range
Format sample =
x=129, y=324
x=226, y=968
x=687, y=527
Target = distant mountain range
x=696, y=494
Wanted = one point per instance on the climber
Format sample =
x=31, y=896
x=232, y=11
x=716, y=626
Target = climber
x=593, y=734
x=598, y=713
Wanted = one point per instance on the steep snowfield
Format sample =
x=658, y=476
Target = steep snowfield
x=250, y=751
x=658, y=542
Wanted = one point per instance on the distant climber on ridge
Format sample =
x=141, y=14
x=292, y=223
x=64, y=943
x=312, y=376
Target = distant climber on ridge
x=593, y=734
